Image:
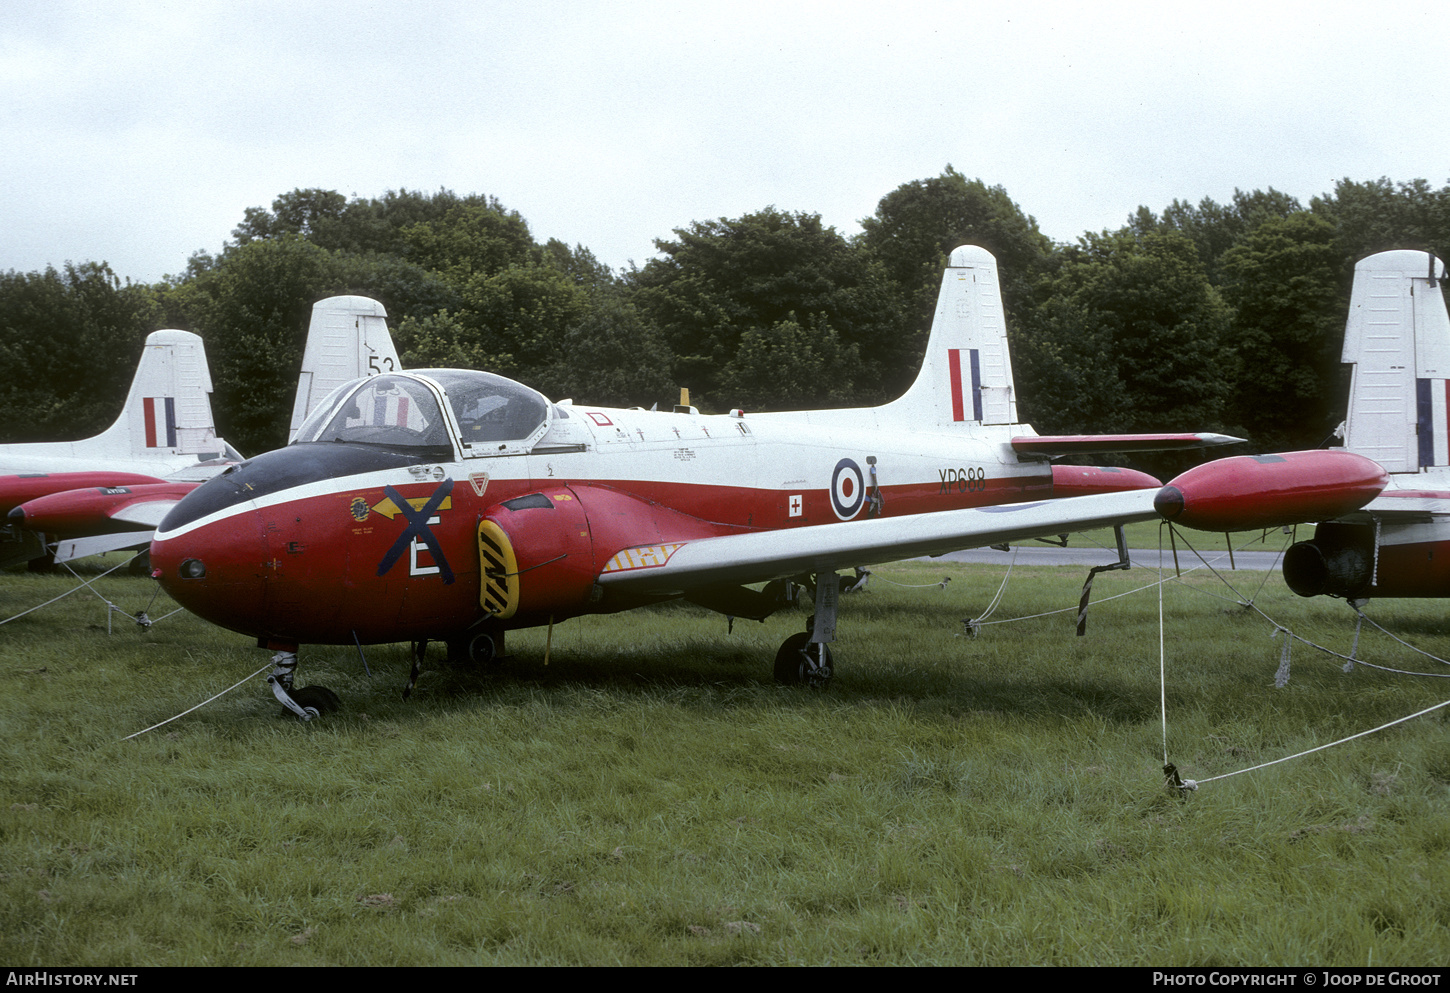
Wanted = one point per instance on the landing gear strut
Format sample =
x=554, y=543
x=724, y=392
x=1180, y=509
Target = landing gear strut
x=805, y=659
x=307, y=702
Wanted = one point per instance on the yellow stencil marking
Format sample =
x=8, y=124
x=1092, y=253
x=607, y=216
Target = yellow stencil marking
x=644, y=557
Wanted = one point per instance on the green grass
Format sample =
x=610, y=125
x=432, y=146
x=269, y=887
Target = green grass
x=650, y=797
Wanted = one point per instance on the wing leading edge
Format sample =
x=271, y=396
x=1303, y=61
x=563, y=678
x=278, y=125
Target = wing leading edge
x=767, y=555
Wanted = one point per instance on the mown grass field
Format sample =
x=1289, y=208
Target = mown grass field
x=651, y=797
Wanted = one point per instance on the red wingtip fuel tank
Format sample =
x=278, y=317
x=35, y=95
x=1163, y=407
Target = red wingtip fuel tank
x=23, y=487
x=1248, y=492
x=93, y=510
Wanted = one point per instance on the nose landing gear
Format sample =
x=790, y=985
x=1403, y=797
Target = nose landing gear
x=308, y=701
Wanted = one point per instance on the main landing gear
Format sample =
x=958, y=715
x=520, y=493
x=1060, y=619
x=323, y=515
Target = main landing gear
x=805, y=658
x=801, y=662
x=307, y=702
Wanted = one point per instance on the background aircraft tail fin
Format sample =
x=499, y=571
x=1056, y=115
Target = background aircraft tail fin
x=347, y=338
x=1397, y=341
x=168, y=410
x=966, y=376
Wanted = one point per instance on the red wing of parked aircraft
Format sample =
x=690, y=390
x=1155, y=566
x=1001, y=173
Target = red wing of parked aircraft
x=456, y=505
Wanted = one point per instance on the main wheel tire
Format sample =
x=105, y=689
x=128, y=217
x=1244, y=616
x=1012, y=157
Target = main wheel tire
x=792, y=668
x=319, y=699
x=483, y=650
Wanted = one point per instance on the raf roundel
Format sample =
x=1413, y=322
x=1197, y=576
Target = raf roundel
x=848, y=489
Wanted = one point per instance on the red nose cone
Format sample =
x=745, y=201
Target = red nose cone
x=218, y=572
x=1249, y=492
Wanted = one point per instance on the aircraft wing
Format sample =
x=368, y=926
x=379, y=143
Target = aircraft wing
x=674, y=568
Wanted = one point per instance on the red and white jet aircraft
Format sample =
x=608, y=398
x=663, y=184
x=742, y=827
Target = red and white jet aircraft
x=110, y=491
x=1393, y=537
x=456, y=504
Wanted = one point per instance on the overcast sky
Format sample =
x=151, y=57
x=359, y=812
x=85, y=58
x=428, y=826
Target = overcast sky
x=138, y=133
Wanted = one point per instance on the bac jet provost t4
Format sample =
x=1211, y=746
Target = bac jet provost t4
x=454, y=504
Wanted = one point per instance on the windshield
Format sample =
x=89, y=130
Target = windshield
x=490, y=409
x=383, y=410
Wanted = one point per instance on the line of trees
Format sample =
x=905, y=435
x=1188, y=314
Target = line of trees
x=1223, y=317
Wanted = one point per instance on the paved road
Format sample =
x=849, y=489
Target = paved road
x=1142, y=558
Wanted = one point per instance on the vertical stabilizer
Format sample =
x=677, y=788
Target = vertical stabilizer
x=1397, y=341
x=347, y=338
x=168, y=410
x=966, y=376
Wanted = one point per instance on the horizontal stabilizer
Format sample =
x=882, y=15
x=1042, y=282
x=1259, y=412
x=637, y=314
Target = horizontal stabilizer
x=1051, y=446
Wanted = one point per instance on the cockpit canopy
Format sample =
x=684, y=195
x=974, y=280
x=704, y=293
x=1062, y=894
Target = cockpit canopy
x=493, y=415
x=490, y=409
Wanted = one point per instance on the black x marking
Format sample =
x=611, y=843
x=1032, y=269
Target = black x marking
x=418, y=528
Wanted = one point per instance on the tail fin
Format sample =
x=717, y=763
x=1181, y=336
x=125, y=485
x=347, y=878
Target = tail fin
x=966, y=377
x=168, y=411
x=347, y=338
x=1398, y=342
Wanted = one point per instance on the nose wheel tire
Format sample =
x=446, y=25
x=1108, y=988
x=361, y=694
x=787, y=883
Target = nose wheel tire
x=318, y=699
x=801, y=663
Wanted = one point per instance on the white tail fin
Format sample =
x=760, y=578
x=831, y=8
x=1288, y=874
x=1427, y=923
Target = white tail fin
x=347, y=338
x=966, y=377
x=1398, y=342
x=168, y=411
x=165, y=430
